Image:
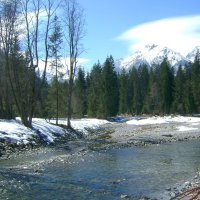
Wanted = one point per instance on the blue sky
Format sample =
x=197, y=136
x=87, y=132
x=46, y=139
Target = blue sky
x=119, y=27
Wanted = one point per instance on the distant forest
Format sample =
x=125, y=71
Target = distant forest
x=104, y=93
x=157, y=90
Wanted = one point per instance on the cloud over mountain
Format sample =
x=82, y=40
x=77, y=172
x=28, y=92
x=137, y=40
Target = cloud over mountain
x=181, y=34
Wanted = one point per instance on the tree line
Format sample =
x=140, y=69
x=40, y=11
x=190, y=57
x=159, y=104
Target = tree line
x=157, y=90
x=103, y=92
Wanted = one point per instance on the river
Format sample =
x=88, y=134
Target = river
x=105, y=174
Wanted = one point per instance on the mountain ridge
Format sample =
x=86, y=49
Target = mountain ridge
x=154, y=55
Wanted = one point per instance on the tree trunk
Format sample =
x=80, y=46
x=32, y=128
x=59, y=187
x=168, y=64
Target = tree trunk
x=26, y=122
x=69, y=109
x=56, y=92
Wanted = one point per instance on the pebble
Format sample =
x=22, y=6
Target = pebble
x=123, y=196
x=172, y=194
x=187, y=183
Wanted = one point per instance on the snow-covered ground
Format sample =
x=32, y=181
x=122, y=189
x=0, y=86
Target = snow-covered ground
x=14, y=131
x=83, y=125
x=191, y=122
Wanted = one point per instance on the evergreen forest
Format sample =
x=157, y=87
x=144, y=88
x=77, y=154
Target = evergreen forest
x=103, y=92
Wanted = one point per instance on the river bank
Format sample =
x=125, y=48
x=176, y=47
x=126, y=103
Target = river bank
x=15, y=137
x=120, y=130
x=128, y=134
x=141, y=134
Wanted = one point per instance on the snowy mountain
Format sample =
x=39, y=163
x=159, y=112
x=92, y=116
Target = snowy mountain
x=152, y=54
x=191, y=56
x=149, y=55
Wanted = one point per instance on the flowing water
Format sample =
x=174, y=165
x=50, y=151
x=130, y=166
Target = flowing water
x=130, y=173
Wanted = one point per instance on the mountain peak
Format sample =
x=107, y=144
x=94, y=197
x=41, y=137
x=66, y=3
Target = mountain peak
x=152, y=54
x=191, y=56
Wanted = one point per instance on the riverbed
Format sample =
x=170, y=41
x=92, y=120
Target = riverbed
x=87, y=169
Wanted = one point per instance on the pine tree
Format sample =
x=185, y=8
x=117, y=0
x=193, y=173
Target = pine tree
x=143, y=74
x=95, y=90
x=51, y=105
x=189, y=101
x=179, y=104
x=151, y=102
x=80, y=103
x=123, y=90
x=110, y=97
x=41, y=105
x=137, y=103
x=55, y=47
x=130, y=93
x=195, y=81
x=165, y=84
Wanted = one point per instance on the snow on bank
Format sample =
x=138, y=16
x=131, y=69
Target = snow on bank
x=189, y=121
x=147, y=121
x=47, y=131
x=83, y=125
x=185, y=128
x=166, y=119
x=13, y=131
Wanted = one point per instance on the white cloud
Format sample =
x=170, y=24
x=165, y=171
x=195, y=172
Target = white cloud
x=181, y=34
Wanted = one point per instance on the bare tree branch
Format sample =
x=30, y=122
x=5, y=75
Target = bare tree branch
x=74, y=26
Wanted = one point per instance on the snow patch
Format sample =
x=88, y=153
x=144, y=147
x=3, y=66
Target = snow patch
x=151, y=120
x=185, y=128
x=166, y=119
x=83, y=125
x=14, y=131
x=46, y=130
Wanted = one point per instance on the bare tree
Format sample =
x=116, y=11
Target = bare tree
x=8, y=14
x=32, y=13
x=50, y=9
x=25, y=91
x=13, y=60
x=74, y=26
